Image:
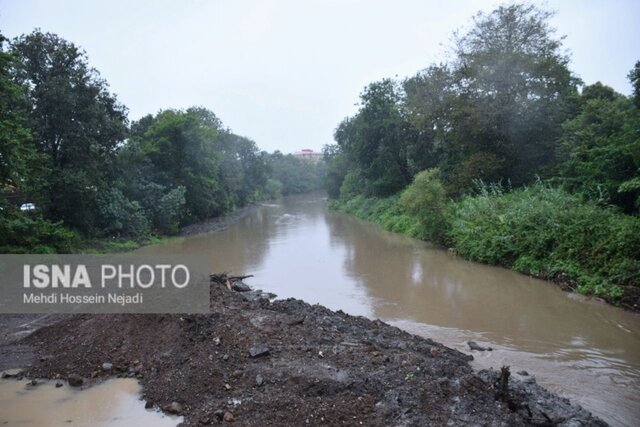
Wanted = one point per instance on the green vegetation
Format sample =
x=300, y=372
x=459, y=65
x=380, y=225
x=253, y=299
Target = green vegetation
x=76, y=175
x=562, y=159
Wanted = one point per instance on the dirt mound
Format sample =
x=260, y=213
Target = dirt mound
x=290, y=363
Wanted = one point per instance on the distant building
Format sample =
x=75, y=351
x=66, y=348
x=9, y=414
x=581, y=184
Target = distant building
x=308, y=154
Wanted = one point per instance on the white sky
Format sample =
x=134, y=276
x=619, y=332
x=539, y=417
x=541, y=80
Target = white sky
x=284, y=73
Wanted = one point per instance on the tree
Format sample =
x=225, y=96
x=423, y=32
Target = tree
x=182, y=146
x=77, y=124
x=376, y=139
x=600, y=148
x=18, y=156
x=634, y=78
x=512, y=92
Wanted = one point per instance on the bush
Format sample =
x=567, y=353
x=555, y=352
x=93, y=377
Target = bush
x=23, y=234
x=547, y=232
x=426, y=200
x=273, y=188
x=385, y=212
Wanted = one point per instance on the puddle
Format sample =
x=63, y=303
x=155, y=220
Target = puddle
x=112, y=403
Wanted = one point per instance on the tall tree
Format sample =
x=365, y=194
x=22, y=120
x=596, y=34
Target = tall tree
x=513, y=91
x=600, y=148
x=76, y=123
x=376, y=139
x=18, y=156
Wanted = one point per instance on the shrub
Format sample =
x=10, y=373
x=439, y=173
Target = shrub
x=545, y=232
x=426, y=200
x=23, y=233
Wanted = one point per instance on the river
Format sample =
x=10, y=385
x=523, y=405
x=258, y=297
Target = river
x=579, y=348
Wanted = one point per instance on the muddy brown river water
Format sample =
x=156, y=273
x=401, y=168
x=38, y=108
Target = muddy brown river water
x=113, y=403
x=579, y=348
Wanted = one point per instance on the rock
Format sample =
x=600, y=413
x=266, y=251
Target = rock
x=107, y=366
x=12, y=373
x=227, y=387
x=258, y=350
x=225, y=357
x=75, y=380
x=252, y=295
x=228, y=417
x=216, y=341
x=148, y=404
x=523, y=373
x=475, y=346
x=259, y=380
x=219, y=414
x=239, y=286
x=33, y=382
x=173, y=408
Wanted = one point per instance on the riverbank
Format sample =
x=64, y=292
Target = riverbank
x=289, y=363
x=116, y=245
x=539, y=231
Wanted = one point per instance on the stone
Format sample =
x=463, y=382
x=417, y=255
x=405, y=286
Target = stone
x=58, y=384
x=75, y=380
x=107, y=366
x=258, y=350
x=173, y=408
x=239, y=286
x=523, y=373
x=228, y=417
x=12, y=373
x=475, y=346
x=259, y=380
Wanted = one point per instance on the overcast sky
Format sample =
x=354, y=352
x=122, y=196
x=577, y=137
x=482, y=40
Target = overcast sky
x=284, y=73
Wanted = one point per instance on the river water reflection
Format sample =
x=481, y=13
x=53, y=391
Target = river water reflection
x=582, y=349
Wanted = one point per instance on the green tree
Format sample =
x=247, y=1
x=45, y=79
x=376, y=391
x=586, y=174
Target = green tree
x=77, y=124
x=182, y=146
x=634, y=78
x=376, y=139
x=19, y=159
x=513, y=91
x=600, y=148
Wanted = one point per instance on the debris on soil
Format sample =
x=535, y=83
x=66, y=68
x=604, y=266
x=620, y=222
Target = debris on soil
x=475, y=346
x=370, y=373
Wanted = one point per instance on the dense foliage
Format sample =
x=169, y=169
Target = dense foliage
x=72, y=167
x=564, y=158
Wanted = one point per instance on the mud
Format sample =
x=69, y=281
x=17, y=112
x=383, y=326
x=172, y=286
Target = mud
x=286, y=362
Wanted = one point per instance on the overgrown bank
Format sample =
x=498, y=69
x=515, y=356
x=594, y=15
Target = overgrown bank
x=505, y=109
x=537, y=230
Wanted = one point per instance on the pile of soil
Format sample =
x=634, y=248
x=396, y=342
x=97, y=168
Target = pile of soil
x=260, y=362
